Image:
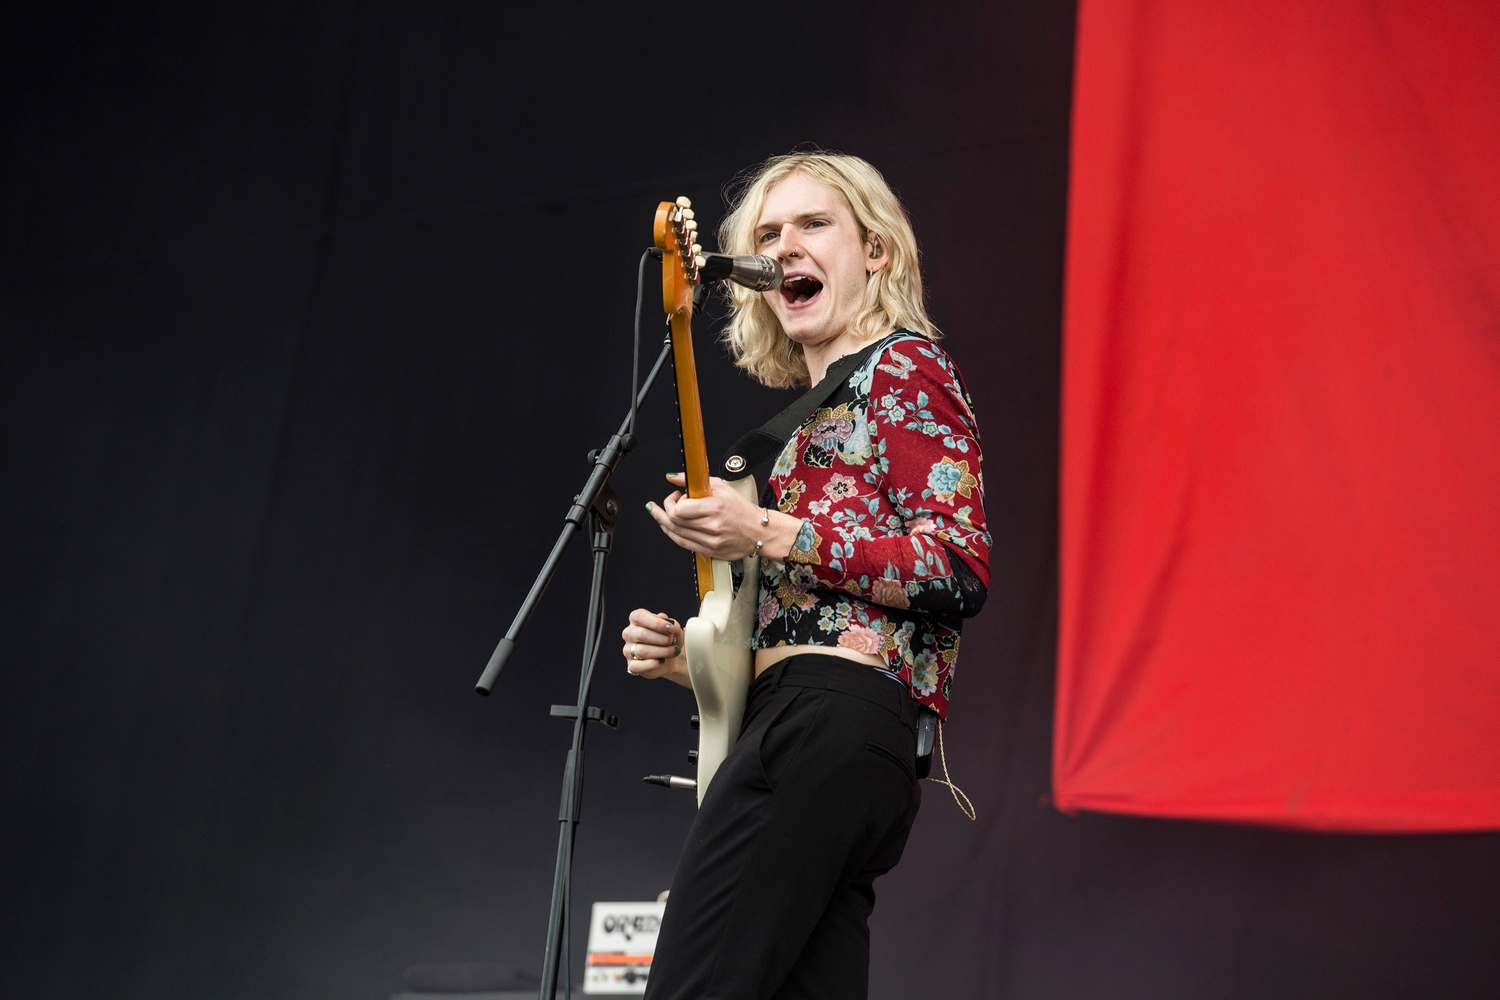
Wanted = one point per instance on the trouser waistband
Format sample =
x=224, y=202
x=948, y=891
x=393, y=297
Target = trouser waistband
x=834, y=673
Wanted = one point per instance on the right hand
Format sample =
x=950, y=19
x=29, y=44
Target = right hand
x=653, y=647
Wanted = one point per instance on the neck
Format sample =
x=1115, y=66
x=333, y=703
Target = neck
x=820, y=356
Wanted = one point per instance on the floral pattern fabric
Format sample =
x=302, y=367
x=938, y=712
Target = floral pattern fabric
x=893, y=553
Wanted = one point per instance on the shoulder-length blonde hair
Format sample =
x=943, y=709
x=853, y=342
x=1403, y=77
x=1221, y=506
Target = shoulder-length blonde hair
x=893, y=296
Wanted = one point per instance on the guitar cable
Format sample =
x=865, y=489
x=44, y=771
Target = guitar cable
x=635, y=358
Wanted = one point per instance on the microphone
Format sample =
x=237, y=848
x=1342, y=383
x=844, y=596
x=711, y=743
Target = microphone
x=756, y=272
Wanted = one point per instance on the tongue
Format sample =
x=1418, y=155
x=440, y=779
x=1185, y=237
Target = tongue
x=801, y=289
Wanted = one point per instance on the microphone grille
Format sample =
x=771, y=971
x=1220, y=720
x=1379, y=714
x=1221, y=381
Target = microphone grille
x=759, y=273
x=756, y=272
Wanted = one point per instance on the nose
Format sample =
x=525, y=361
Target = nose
x=787, y=244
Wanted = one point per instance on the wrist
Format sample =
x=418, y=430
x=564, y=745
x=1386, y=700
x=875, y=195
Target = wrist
x=780, y=534
x=678, y=674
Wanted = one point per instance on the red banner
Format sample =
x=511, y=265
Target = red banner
x=1281, y=419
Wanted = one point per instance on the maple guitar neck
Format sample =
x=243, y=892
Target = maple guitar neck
x=674, y=232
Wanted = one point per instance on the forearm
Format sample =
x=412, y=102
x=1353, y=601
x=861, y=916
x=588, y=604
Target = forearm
x=918, y=571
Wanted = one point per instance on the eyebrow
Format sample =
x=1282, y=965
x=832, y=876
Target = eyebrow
x=803, y=217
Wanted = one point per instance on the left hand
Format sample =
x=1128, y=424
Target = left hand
x=723, y=525
x=653, y=647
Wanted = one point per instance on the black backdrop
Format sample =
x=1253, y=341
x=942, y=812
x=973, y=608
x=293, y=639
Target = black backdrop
x=309, y=314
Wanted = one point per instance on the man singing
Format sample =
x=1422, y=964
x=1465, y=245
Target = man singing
x=873, y=553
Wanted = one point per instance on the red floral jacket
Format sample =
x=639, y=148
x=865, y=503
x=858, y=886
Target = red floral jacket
x=893, y=551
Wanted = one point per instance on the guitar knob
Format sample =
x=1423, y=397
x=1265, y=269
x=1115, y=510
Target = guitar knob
x=693, y=757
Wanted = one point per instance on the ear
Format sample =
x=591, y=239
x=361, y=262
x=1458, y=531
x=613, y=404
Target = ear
x=878, y=257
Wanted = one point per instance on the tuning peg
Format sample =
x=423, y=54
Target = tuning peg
x=683, y=202
x=691, y=224
x=700, y=261
x=697, y=250
x=687, y=213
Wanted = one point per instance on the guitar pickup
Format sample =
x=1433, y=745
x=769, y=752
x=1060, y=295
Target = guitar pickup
x=593, y=714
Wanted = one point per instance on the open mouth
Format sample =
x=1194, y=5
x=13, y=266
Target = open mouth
x=799, y=288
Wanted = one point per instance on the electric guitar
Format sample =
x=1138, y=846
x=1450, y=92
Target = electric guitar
x=716, y=642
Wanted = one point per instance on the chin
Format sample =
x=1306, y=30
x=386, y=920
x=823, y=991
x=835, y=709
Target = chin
x=806, y=330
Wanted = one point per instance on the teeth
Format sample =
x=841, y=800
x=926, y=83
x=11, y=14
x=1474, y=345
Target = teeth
x=799, y=287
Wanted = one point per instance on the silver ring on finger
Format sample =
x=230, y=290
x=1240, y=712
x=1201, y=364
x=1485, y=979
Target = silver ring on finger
x=633, y=646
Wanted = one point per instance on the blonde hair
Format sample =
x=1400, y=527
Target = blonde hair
x=893, y=295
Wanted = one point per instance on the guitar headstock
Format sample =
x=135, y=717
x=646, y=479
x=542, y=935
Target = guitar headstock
x=676, y=236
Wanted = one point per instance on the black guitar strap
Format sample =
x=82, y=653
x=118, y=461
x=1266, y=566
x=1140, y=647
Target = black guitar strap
x=760, y=447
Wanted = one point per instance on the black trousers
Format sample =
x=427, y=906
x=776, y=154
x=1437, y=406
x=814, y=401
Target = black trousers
x=773, y=893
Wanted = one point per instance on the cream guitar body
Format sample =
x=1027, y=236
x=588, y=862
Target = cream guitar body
x=720, y=661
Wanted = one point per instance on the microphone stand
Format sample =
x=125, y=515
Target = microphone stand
x=600, y=506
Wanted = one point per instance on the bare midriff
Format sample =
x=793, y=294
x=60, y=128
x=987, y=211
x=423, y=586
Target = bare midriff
x=765, y=658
